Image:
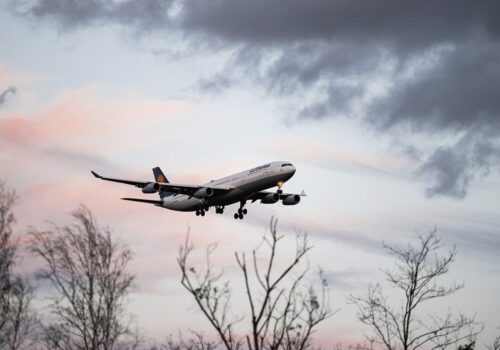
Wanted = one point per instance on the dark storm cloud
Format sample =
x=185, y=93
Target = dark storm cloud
x=450, y=169
x=408, y=24
x=332, y=49
x=139, y=15
x=459, y=91
x=3, y=96
x=334, y=46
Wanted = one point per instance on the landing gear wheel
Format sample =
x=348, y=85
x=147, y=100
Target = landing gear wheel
x=197, y=213
x=241, y=211
x=202, y=212
x=280, y=184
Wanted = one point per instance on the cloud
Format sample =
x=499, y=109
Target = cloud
x=15, y=78
x=404, y=25
x=216, y=83
x=5, y=93
x=142, y=15
x=347, y=279
x=456, y=92
x=434, y=65
x=83, y=128
x=338, y=159
x=425, y=67
x=450, y=169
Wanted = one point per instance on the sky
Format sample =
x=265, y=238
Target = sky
x=389, y=110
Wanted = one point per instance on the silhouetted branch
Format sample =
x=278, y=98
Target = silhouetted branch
x=87, y=270
x=17, y=320
x=416, y=276
x=495, y=345
x=280, y=317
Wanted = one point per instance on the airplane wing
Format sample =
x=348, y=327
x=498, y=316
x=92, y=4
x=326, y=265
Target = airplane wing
x=157, y=203
x=261, y=194
x=169, y=187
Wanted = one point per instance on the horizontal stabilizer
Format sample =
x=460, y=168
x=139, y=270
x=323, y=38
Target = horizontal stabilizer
x=150, y=201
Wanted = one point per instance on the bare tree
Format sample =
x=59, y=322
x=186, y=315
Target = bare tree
x=16, y=318
x=416, y=275
x=283, y=311
x=87, y=270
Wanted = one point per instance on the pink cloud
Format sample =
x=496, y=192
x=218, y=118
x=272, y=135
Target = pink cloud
x=79, y=130
x=79, y=114
x=10, y=77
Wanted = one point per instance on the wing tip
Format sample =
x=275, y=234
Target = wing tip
x=96, y=174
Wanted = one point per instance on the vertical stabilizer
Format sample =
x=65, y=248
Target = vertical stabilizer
x=161, y=178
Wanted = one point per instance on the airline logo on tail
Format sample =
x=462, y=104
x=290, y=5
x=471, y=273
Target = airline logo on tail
x=160, y=178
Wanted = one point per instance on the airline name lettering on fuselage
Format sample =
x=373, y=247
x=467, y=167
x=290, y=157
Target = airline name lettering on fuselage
x=259, y=168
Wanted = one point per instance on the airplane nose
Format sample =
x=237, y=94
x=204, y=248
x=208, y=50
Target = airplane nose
x=292, y=169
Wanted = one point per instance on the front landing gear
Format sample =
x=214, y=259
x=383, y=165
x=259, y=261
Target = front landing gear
x=200, y=212
x=241, y=211
x=280, y=184
x=219, y=210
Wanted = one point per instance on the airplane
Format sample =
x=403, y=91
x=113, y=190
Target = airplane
x=248, y=185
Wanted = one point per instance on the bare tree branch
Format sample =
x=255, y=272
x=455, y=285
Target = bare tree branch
x=283, y=313
x=416, y=275
x=495, y=345
x=87, y=270
x=17, y=320
x=212, y=297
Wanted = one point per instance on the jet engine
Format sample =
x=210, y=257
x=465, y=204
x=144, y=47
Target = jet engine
x=203, y=192
x=291, y=199
x=270, y=198
x=151, y=187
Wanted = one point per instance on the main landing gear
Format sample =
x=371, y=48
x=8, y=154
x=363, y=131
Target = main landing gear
x=241, y=211
x=219, y=209
x=203, y=209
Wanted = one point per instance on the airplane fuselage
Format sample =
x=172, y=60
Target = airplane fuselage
x=242, y=184
x=248, y=185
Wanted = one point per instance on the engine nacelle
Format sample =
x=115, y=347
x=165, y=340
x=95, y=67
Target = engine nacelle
x=203, y=192
x=291, y=199
x=270, y=198
x=151, y=187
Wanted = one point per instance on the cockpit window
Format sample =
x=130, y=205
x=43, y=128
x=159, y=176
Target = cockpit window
x=286, y=164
